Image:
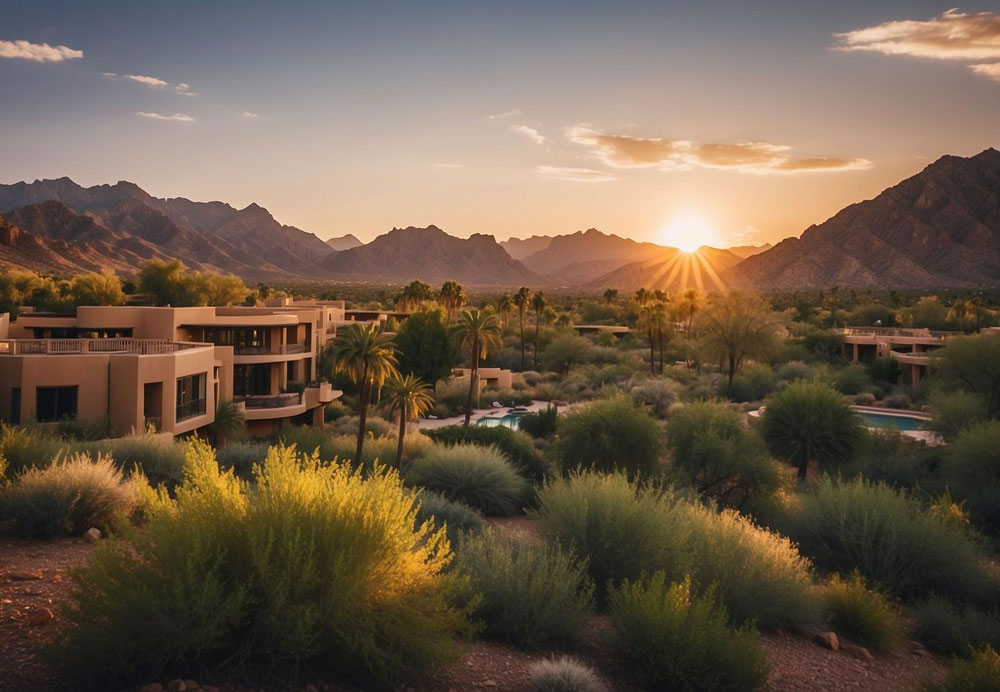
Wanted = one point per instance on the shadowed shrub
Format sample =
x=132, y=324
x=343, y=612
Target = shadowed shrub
x=563, y=674
x=658, y=393
x=241, y=457
x=971, y=469
x=981, y=673
x=954, y=412
x=516, y=446
x=457, y=518
x=608, y=435
x=315, y=562
x=865, y=615
x=676, y=639
x=956, y=630
x=526, y=594
x=160, y=459
x=481, y=477
x=67, y=497
x=541, y=424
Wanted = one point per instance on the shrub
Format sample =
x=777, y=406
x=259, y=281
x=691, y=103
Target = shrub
x=854, y=379
x=481, y=477
x=566, y=350
x=609, y=435
x=865, y=615
x=375, y=426
x=794, y=370
x=618, y=526
x=674, y=639
x=25, y=447
x=719, y=456
x=69, y=496
x=978, y=674
x=751, y=385
x=659, y=394
x=541, y=424
x=316, y=562
x=956, y=630
x=808, y=421
x=242, y=456
x=972, y=470
x=515, y=446
x=885, y=454
x=955, y=411
x=563, y=674
x=888, y=537
x=526, y=594
x=455, y=517
x=160, y=459
x=972, y=363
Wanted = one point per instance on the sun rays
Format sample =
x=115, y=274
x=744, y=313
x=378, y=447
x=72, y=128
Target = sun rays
x=685, y=270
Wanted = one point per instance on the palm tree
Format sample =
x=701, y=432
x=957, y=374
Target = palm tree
x=409, y=396
x=610, y=295
x=538, y=304
x=368, y=357
x=415, y=293
x=451, y=297
x=476, y=332
x=689, y=306
x=641, y=296
x=647, y=324
x=661, y=325
x=522, y=299
x=229, y=418
x=505, y=307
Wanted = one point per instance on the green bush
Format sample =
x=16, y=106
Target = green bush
x=955, y=411
x=721, y=458
x=160, y=459
x=971, y=469
x=658, y=393
x=526, y=594
x=885, y=454
x=854, y=379
x=865, y=615
x=541, y=424
x=675, y=639
x=753, y=384
x=455, y=517
x=481, y=477
x=563, y=674
x=618, y=526
x=67, y=497
x=981, y=673
x=888, y=537
x=956, y=630
x=516, y=446
x=374, y=426
x=608, y=435
x=314, y=563
x=25, y=447
x=241, y=457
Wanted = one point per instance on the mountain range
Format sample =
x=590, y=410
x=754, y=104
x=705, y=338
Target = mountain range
x=939, y=228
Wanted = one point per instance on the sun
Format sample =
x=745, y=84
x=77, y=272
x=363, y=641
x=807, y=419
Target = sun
x=688, y=230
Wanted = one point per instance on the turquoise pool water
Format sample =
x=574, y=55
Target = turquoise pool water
x=508, y=420
x=878, y=420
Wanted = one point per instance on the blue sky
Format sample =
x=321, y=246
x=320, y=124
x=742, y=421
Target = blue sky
x=506, y=118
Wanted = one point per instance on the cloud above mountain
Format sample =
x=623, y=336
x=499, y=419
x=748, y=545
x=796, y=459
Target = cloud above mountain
x=573, y=175
x=180, y=117
x=626, y=151
x=530, y=132
x=38, y=52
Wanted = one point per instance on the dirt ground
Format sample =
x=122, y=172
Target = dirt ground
x=34, y=581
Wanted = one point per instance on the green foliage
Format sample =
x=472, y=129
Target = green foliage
x=170, y=283
x=853, y=379
x=864, y=614
x=888, y=537
x=97, y=288
x=608, y=435
x=159, y=459
x=956, y=630
x=313, y=563
x=954, y=411
x=753, y=384
x=971, y=469
x=972, y=363
x=658, y=393
x=424, y=347
x=809, y=422
x=526, y=594
x=900, y=461
x=675, y=639
x=241, y=457
x=565, y=351
x=980, y=673
x=563, y=674
x=68, y=497
x=515, y=445
x=481, y=477
x=542, y=424
x=24, y=447
x=721, y=458
x=457, y=518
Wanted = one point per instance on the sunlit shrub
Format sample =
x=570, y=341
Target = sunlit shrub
x=563, y=674
x=956, y=629
x=24, y=447
x=374, y=426
x=516, y=446
x=481, y=477
x=160, y=459
x=608, y=435
x=864, y=614
x=980, y=673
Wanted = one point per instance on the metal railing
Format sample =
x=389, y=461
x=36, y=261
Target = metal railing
x=906, y=332
x=258, y=401
x=15, y=347
x=191, y=409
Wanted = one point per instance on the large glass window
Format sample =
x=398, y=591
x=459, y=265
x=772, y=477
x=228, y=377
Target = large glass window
x=191, y=396
x=55, y=403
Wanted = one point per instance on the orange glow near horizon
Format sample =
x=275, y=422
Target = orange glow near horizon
x=686, y=270
x=688, y=230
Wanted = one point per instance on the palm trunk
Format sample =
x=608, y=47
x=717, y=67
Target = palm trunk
x=362, y=414
x=473, y=377
x=521, y=314
x=661, y=355
x=732, y=372
x=652, y=355
x=803, y=469
x=538, y=323
x=402, y=433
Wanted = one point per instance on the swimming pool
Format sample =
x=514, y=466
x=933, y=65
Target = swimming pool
x=898, y=421
x=508, y=420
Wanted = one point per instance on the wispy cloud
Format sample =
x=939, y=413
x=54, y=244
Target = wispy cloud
x=624, y=151
x=504, y=116
x=181, y=88
x=38, y=52
x=248, y=115
x=531, y=133
x=179, y=117
x=990, y=71
x=184, y=90
x=573, y=175
x=954, y=35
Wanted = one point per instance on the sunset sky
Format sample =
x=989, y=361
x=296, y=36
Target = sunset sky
x=741, y=122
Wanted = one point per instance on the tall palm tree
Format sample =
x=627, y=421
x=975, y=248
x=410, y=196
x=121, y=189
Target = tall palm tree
x=409, y=396
x=610, y=295
x=647, y=325
x=642, y=296
x=368, y=356
x=415, y=293
x=689, y=305
x=661, y=325
x=476, y=332
x=522, y=300
x=451, y=297
x=505, y=307
x=229, y=418
x=538, y=304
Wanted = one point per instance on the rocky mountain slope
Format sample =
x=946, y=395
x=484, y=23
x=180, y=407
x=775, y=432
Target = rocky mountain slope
x=344, y=242
x=519, y=248
x=670, y=270
x=939, y=228
x=576, y=257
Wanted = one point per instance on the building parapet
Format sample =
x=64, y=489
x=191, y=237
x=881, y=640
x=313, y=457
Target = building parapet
x=145, y=347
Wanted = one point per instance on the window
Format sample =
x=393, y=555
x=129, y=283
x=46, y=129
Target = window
x=15, y=406
x=191, y=396
x=55, y=403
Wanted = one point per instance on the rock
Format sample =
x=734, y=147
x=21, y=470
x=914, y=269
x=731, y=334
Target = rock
x=489, y=683
x=923, y=653
x=827, y=640
x=191, y=685
x=92, y=535
x=151, y=687
x=25, y=576
x=858, y=652
x=42, y=616
x=176, y=685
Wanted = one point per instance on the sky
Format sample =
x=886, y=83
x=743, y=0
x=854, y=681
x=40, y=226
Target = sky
x=732, y=122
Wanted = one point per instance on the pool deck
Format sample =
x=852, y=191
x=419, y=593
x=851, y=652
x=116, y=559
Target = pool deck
x=432, y=423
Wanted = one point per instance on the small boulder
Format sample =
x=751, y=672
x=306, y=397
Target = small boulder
x=25, y=576
x=191, y=685
x=858, y=652
x=43, y=616
x=177, y=685
x=923, y=653
x=151, y=687
x=827, y=640
x=92, y=535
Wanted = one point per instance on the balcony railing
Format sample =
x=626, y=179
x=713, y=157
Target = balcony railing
x=191, y=409
x=258, y=401
x=253, y=350
x=905, y=332
x=16, y=347
x=293, y=348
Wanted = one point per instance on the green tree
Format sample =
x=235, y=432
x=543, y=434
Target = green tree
x=538, y=303
x=505, y=308
x=220, y=289
x=610, y=296
x=167, y=283
x=103, y=288
x=606, y=436
x=688, y=306
x=808, y=421
x=972, y=363
x=415, y=293
x=424, y=347
x=476, y=332
x=734, y=327
x=367, y=356
x=410, y=397
x=566, y=350
x=522, y=301
x=229, y=420
x=451, y=297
